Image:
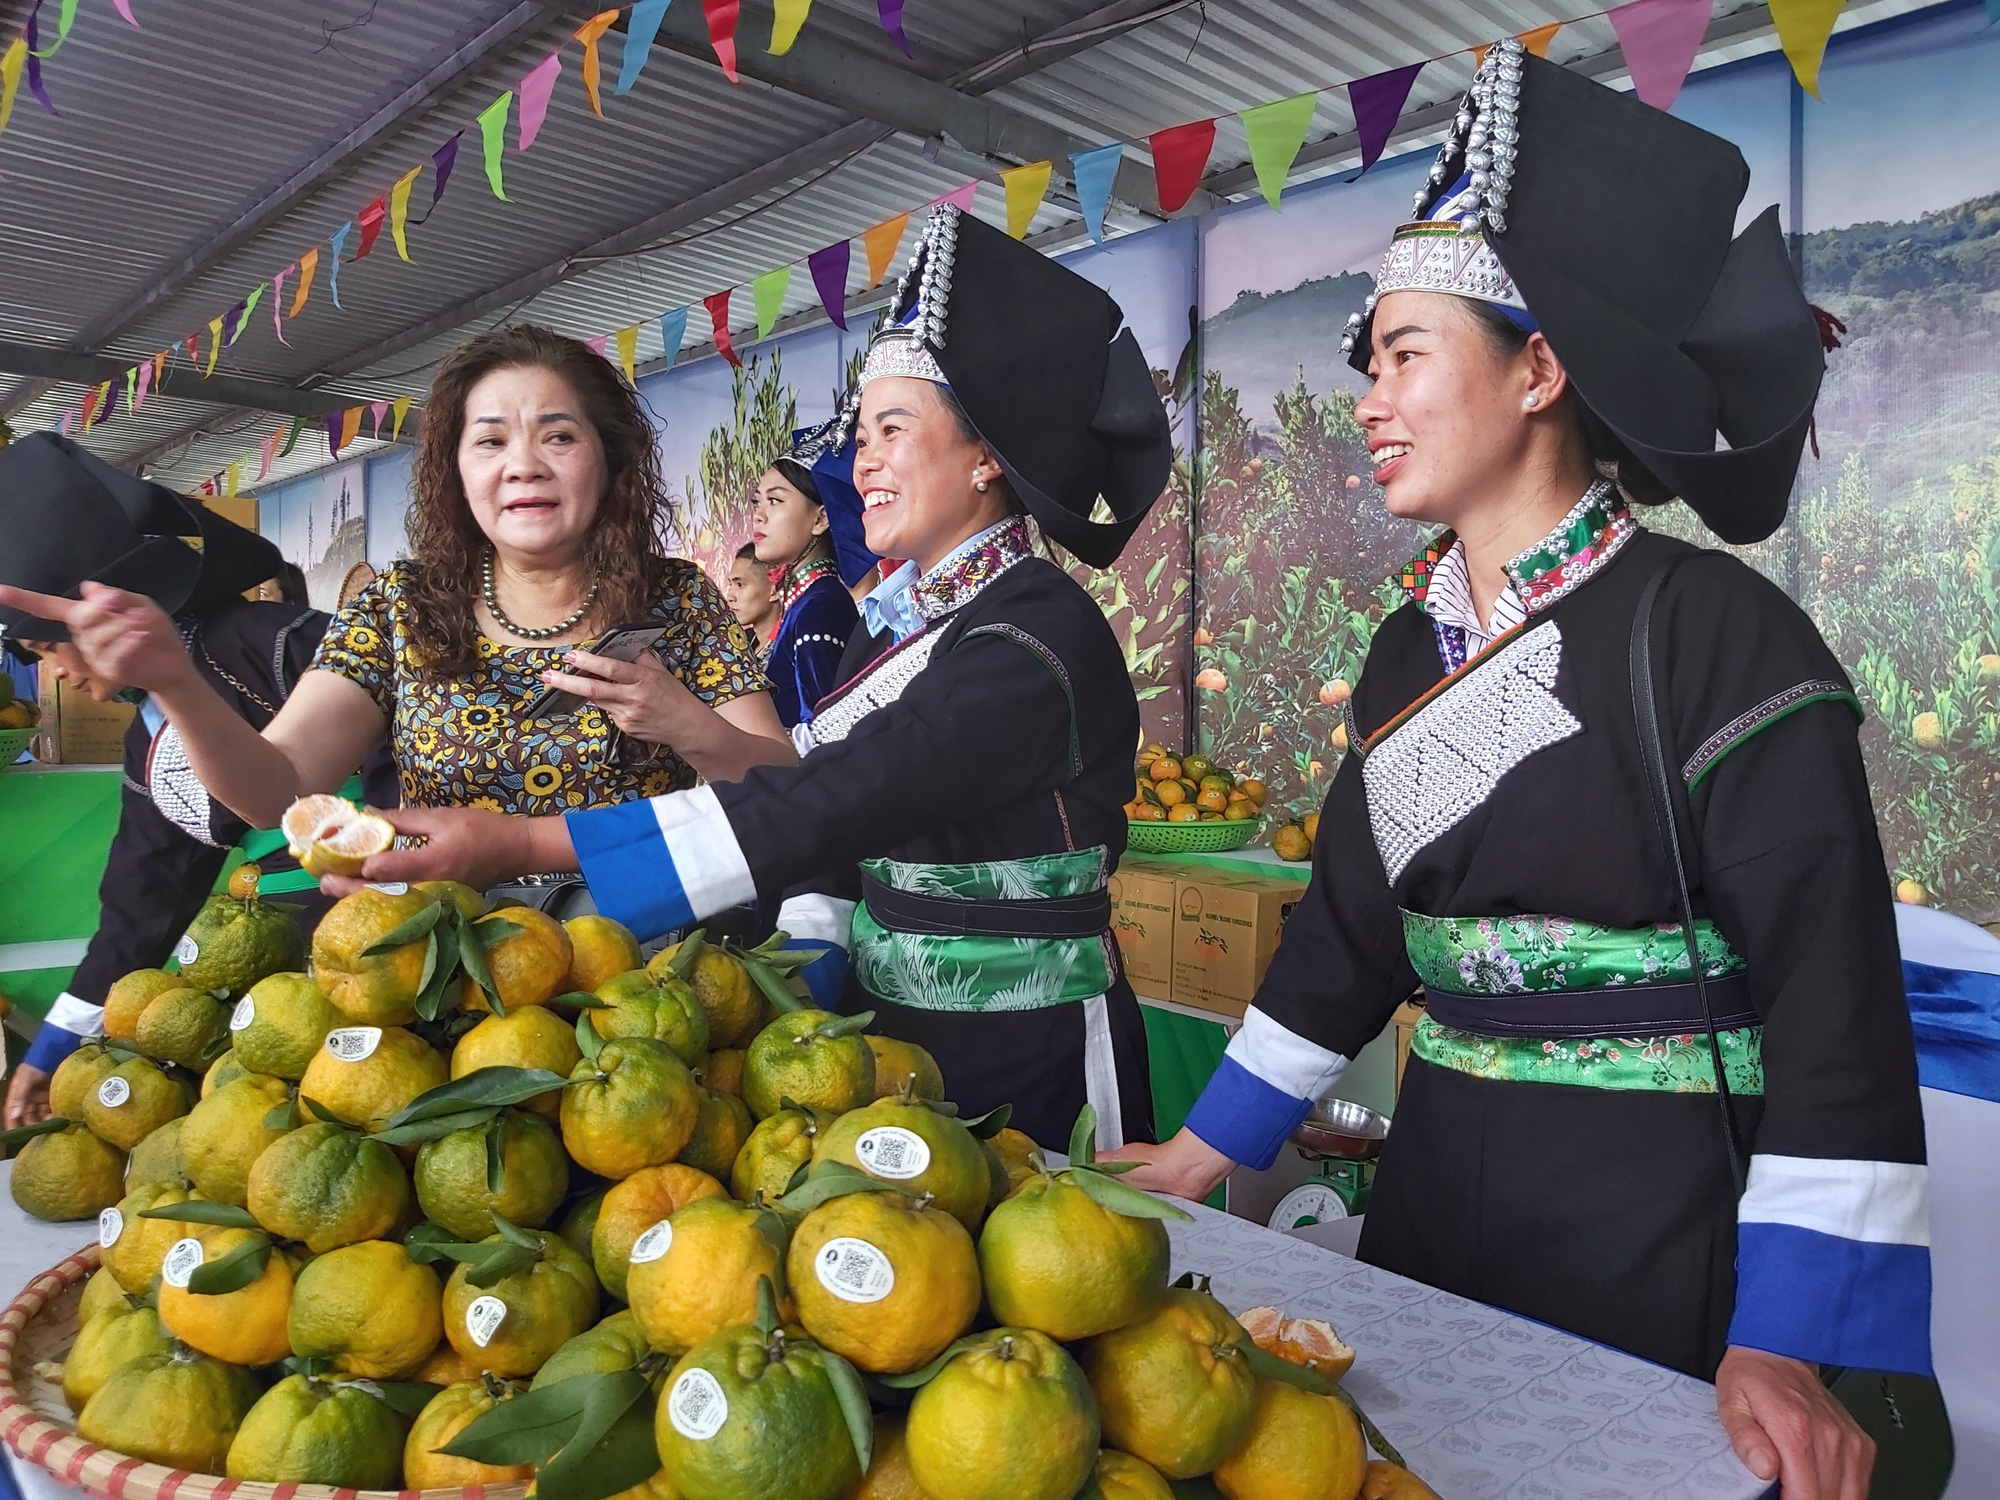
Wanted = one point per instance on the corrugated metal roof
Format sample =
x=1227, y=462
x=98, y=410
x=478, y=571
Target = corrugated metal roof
x=166, y=132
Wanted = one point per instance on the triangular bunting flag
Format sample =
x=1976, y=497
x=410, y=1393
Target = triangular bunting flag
x=673, y=333
x=588, y=33
x=350, y=425
x=267, y=453
x=214, y=345
x=159, y=367
x=1803, y=29
x=332, y=425
x=960, y=197
x=1660, y=39
x=401, y=408
x=493, y=136
x=132, y=390
x=1094, y=172
x=338, y=244
x=1179, y=155
x=443, y=160
x=829, y=274
x=628, y=353
x=378, y=410
x=768, y=292
x=308, y=264
x=124, y=8
x=89, y=406
x=11, y=63
x=1276, y=132
x=399, y=210
x=536, y=87
x=103, y=401
x=232, y=322
x=235, y=472
x=786, y=19
x=718, y=317
x=278, y=302
x=1377, y=101
x=597, y=345
x=370, y=219
x=880, y=245
x=891, y=14
x=1025, y=187
x=1537, y=41
x=145, y=380
x=639, y=33
x=249, y=306
x=722, y=16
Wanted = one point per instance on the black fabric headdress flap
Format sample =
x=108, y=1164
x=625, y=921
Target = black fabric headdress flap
x=1045, y=369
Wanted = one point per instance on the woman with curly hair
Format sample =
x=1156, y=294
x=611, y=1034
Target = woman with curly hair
x=536, y=526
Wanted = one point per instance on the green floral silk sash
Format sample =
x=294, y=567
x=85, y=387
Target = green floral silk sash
x=1539, y=954
x=983, y=973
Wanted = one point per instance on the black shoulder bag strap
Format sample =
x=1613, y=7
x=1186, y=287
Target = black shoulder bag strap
x=1666, y=818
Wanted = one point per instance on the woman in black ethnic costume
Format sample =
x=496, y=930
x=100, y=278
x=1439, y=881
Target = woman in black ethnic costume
x=71, y=517
x=968, y=776
x=1565, y=330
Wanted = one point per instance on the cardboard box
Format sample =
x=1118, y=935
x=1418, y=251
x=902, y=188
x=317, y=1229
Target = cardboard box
x=1226, y=928
x=77, y=730
x=1142, y=920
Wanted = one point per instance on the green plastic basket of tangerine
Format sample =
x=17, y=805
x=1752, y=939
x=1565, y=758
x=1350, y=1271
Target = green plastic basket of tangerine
x=1190, y=805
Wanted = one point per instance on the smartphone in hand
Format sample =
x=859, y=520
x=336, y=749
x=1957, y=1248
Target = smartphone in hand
x=623, y=643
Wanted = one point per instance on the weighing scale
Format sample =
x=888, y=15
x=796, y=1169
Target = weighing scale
x=1344, y=1139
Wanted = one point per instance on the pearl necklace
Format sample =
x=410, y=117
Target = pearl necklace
x=563, y=628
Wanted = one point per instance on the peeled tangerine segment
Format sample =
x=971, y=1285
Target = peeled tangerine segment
x=324, y=821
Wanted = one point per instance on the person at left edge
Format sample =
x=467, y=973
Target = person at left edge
x=68, y=517
x=807, y=530
x=961, y=801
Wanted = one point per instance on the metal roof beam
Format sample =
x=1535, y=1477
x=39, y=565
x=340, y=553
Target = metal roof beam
x=472, y=49
x=62, y=366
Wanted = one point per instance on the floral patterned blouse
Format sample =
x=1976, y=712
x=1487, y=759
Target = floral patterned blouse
x=461, y=742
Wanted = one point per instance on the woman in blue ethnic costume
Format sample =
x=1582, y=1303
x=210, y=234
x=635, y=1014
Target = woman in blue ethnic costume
x=1565, y=329
x=958, y=804
x=807, y=527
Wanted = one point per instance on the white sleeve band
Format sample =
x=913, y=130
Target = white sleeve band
x=176, y=791
x=1284, y=1059
x=78, y=1017
x=817, y=919
x=713, y=873
x=1877, y=1202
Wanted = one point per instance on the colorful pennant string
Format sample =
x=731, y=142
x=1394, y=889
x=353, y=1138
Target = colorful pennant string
x=1803, y=29
x=443, y=159
x=370, y=219
x=337, y=245
x=214, y=347
x=378, y=410
x=639, y=33
x=401, y=407
x=1276, y=133
x=278, y=303
x=350, y=425
x=628, y=352
x=891, y=14
x=1025, y=187
x=1094, y=171
x=1179, y=155
x=308, y=265
x=829, y=273
x=399, y=210
x=11, y=63
x=960, y=197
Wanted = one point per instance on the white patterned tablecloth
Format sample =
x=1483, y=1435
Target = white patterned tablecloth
x=1482, y=1404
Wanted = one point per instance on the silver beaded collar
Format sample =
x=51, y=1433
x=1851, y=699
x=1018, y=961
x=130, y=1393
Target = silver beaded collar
x=1444, y=248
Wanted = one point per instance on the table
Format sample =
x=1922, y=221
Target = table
x=1483, y=1404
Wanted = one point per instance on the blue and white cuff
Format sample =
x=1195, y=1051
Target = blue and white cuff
x=1833, y=1263
x=661, y=864
x=67, y=1024
x=1265, y=1085
x=820, y=922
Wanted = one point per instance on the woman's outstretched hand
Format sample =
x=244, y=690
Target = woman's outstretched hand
x=1186, y=1166
x=123, y=638
x=1785, y=1425
x=467, y=844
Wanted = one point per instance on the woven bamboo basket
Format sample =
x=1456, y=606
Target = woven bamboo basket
x=36, y=1423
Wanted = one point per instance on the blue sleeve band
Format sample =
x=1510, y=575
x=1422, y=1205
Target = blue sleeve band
x=51, y=1045
x=825, y=976
x=632, y=878
x=1825, y=1299
x=1243, y=1117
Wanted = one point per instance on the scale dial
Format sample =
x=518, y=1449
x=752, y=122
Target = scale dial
x=1310, y=1203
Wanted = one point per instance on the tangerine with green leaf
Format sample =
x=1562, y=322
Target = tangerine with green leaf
x=614, y=1343
x=310, y=1430
x=362, y=1075
x=371, y=989
x=662, y=1008
x=720, y=984
x=133, y=1100
x=327, y=1185
x=182, y=1027
x=1300, y=1447
x=810, y=1057
x=539, y=1308
x=242, y=1327
x=134, y=1255
x=369, y=1309
x=902, y=1140
x=527, y=966
x=1052, y=1257
x=454, y=1175
x=633, y=1105
x=531, y=1037
x=1010, y=1418
x=697, y=1274
x=427, y=1467
x=1174, y=1388
x=777, y=1147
